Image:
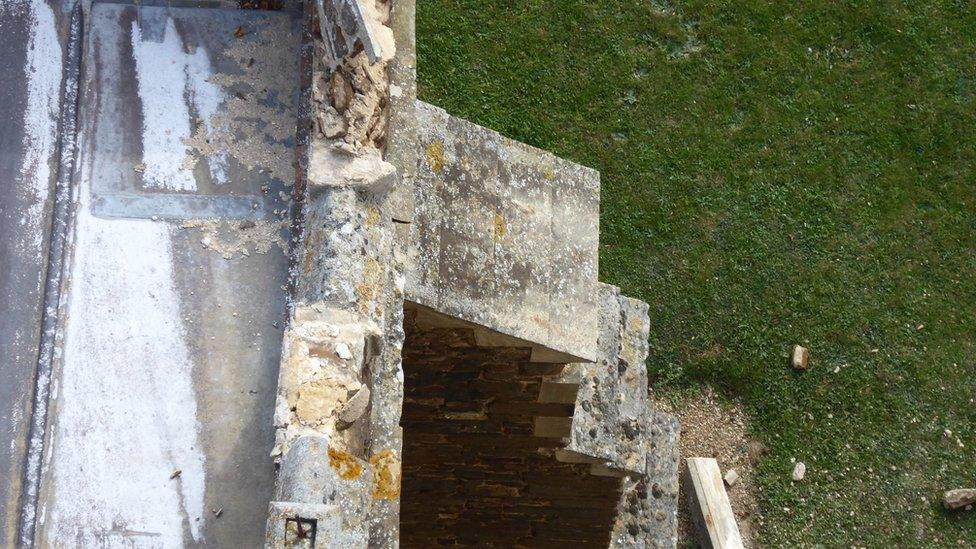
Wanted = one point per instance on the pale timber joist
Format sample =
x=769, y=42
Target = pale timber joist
x=711, y=510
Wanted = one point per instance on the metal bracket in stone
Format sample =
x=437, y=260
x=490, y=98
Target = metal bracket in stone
x=343, y=24
x=302, y=524
x=321, y=499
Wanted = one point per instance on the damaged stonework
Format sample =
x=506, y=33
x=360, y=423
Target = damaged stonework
x=493, y=239
x=610, y=422
x=613, y=428
x=321, y=386
x=349, y=25
x=338, y=439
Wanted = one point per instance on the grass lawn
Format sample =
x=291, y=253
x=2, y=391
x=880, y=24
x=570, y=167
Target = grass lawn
x=773, y=173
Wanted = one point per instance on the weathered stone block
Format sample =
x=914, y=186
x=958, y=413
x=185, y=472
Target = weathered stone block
x=610, y=420
x=506, y=235
x=647, y=515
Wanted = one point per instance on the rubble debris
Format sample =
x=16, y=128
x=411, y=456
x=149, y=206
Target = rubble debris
x=235, y=240
x=230, y=132
x=731, y=477
x=963, y=498
x=801, y=358
x=175, y=474
x=352, y=102
x=799, y=471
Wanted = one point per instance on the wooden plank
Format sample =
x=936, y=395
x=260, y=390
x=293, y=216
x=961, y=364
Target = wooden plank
x=710, y=507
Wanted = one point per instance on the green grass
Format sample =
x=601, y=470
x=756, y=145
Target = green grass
x=773, y=173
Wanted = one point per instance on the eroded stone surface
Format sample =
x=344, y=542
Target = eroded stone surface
x=506, y=235
x=610, y=421
x=647, y=515
x=323, y=356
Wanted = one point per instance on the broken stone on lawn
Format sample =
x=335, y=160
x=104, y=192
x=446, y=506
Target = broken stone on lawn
x=799, y=471
x=964, y=498
x=801, y=357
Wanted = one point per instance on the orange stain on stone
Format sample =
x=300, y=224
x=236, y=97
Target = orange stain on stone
x=386, y=475
x=345, y=464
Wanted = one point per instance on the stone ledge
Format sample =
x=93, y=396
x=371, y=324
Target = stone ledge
x=506, y=235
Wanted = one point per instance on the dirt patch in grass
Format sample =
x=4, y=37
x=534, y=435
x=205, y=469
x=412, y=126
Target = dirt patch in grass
x=710, y=428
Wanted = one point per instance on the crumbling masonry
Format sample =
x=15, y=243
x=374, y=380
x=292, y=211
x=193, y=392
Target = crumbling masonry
x=452, y=373
x=399, y=339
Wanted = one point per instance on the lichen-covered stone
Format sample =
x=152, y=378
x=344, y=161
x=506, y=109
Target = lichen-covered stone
x=647, y=515
x=405, y=201
x=341, y=379
x=506, y=235
x=321, y=483
x=610, y=420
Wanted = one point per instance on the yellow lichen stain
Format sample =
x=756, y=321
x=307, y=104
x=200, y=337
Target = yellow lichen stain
x=550, y=173
x=345, y=464
x=366, y=290
x=386, y=475
x=365, y=293
x=500, y=228
x=435, y=155
x=372, y=216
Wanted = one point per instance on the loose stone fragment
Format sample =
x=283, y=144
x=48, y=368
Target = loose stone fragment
x=731, y=477
x=799, y=471
x=343, y=352
x=964, y=498
x=356, y=406
x=801, y=357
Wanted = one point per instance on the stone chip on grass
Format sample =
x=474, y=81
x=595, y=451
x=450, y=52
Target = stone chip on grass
x=799, y=471
x=963, y=498
x=801, y=358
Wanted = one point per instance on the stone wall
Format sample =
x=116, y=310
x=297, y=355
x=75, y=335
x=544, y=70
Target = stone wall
x=340, y=386
x=492, y=247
